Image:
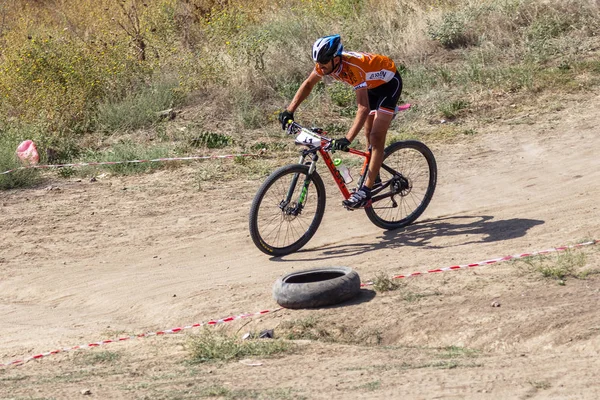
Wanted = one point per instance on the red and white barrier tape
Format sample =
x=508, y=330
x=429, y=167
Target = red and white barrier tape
x=143, y=335
x=493, y=261
x=243, y=316
x=127, y=162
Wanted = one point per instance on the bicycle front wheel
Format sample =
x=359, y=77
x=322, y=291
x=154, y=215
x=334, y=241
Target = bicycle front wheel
x=287, y=210
x=411, y=171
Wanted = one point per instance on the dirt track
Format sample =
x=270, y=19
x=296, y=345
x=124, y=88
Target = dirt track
x=89, y=261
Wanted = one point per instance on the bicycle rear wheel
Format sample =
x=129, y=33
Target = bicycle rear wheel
x=411, y=171
x=284, y=216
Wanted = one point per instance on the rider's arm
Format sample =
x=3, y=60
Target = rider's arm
x=304, y=90
x=362, y=100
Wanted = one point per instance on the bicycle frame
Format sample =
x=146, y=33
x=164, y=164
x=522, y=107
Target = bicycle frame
x=337, y=176
x=323, y=151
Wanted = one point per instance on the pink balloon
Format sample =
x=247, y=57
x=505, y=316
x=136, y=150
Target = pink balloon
x=27, y=152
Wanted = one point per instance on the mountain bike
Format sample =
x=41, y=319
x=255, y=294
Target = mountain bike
x=289, y=205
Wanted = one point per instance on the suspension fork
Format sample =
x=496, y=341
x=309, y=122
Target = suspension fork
x=311, y=169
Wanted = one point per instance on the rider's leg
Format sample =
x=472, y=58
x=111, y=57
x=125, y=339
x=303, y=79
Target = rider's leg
x=369, y=128
x=381, y=124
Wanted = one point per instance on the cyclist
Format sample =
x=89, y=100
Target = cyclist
x=377, y=84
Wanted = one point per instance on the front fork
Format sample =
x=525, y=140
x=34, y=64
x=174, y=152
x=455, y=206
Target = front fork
x=297, y=208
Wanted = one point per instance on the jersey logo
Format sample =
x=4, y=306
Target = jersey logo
x=377, y=75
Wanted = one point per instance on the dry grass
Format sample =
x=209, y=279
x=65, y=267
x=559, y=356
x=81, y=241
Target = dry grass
x=235, y=64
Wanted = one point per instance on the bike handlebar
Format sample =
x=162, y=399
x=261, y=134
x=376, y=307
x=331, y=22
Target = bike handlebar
x=295, y=128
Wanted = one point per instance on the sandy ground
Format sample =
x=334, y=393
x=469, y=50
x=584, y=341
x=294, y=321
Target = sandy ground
x=86, y=261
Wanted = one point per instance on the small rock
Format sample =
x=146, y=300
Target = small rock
x=247, y=336
x=495, y=303
x=86, y=392
x=266, y=334
x=93, y=179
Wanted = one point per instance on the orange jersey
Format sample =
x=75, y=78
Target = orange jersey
x=363, y=70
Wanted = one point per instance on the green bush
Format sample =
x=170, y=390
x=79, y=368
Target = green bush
x=451, y=32
x=211, y=140
x=58, y=81
x=96, y=68
x=137, y=110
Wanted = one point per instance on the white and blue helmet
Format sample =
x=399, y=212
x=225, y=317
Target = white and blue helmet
x=326, y=48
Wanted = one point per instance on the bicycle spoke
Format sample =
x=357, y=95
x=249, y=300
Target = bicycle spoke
x=410, y=175
x=277, y=220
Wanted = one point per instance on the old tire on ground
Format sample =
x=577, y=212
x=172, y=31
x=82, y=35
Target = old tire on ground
x=316, y=287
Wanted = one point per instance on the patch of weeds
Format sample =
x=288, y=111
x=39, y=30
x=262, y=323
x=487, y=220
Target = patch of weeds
x=17, y=179
x=212, y=346
x=540, y=385
x=411, y=297
x=250, y=168
x=272, y=146
x=249, y=112
x=441, y=365
x=287, y=88
x=364, y=337
x=348, y=112
x=208, y=173
x=587, y=273
x=66, y=172
x=99, y=357
x=451, y=32
x=211, y=140
x=563, y=265
x=16, y=378
x=452, y=110
x=370, y=386
x=394, y=137
x=382, y=283
x=313, y=329
x=444, y=132
x=305, y=329
x=223, y=392
x=129, y=151
x=457, y=351
x=215, y=391
x=333, y=129
x=546, y=28
x=82, y=375
x=564, y=65
x=138, y=109
x=341, y=95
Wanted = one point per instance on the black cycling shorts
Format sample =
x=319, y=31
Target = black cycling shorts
x=384, y=98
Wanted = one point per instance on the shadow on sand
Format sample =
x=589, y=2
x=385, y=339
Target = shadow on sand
x=475, y=229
